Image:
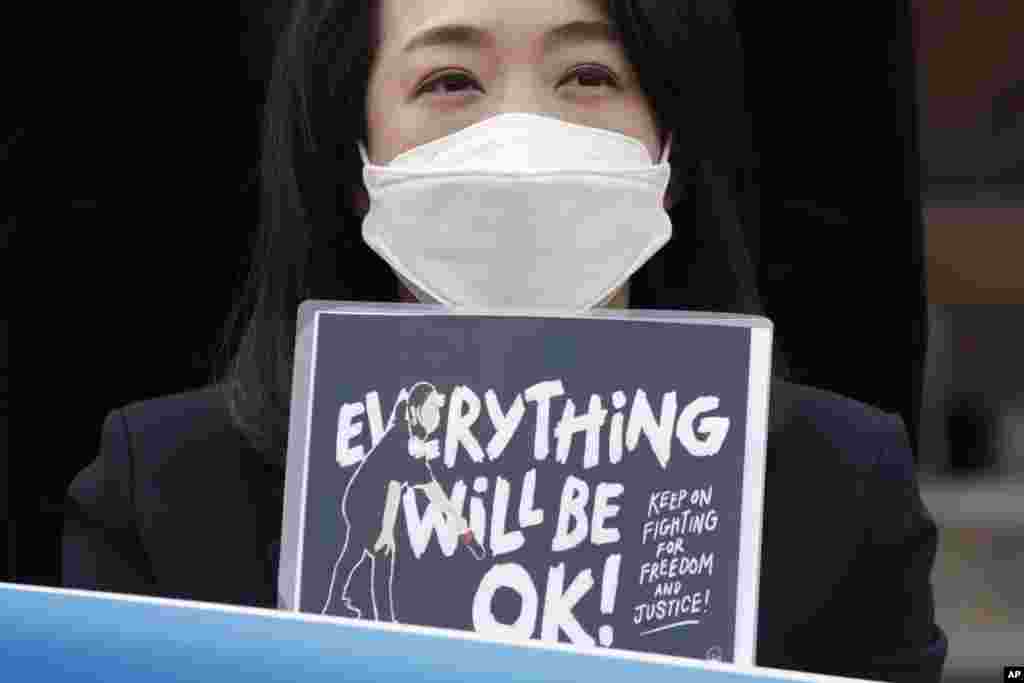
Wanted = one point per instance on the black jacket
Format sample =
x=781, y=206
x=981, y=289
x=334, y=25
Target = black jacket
x=179, y=505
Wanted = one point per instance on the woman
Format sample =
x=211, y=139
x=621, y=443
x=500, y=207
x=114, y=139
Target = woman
x=185, y=497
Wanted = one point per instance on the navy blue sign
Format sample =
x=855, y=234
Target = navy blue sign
x=571, y=480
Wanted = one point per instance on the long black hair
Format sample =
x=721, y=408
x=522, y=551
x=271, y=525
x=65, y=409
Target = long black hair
x=688, y=57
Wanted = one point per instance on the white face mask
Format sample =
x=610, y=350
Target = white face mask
x=518, y=210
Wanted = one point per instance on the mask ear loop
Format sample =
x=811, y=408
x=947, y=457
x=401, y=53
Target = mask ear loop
x=665, y=150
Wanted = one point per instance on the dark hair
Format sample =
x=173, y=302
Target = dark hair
x=418, y=396
x=689, y=61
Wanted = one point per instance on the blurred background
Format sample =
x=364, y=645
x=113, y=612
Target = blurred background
x=970, y=65
x=891, y=178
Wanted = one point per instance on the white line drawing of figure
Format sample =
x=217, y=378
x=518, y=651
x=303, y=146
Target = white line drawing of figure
x=400, y=459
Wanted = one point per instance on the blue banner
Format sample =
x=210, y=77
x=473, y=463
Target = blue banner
x=72, y=635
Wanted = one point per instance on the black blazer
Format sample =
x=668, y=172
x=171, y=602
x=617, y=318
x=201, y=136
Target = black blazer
x=178, y=504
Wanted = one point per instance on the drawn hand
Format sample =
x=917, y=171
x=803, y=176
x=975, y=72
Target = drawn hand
x=385, y=542
x=475, y=547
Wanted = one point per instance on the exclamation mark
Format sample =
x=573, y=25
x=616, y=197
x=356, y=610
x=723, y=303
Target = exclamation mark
x=707, y=600
x=609, y=588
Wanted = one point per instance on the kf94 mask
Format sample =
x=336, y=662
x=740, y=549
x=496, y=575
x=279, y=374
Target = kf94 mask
x=519, y=210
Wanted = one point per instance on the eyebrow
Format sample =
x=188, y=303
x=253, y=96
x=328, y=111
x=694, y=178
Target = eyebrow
x=467, y=35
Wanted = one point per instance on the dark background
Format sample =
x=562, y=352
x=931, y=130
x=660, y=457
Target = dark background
x=137, y=190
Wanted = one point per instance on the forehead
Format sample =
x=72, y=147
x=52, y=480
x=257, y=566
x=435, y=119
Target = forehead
x=400, y=21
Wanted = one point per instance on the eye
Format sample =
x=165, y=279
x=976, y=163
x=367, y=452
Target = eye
x=592, y=74
x=588, y=75
x=449, y=78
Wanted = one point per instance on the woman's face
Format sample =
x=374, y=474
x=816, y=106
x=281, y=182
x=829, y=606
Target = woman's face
x=556, y=58
x=418, y=93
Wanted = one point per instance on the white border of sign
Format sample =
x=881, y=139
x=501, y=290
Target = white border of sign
x=752, y=506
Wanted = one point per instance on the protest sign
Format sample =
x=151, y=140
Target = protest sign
x=593, y=479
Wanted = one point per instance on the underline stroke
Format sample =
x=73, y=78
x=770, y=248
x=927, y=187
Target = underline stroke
x=668, y=626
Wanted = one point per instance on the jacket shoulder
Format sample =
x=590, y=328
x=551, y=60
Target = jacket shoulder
x=186, y=444
x=203, y=491
x=803, y=415
x=207, y=403
x=181, y=424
